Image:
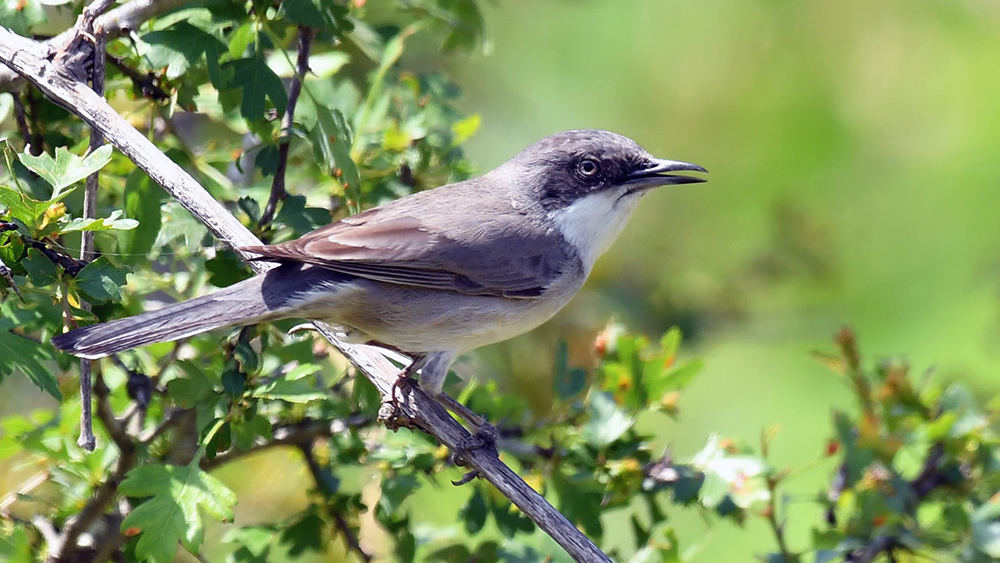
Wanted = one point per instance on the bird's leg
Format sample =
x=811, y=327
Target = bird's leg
x=406, y=377
x=434, y=370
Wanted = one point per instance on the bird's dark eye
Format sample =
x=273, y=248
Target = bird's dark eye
x=588, y=167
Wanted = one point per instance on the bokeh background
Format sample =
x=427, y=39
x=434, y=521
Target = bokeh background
x=854, y=158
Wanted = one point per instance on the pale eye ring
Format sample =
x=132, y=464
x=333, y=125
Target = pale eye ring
x=589, y=167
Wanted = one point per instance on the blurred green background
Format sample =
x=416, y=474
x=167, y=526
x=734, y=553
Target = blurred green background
x=854, y=179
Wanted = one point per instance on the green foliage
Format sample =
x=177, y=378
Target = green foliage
x=177, y=495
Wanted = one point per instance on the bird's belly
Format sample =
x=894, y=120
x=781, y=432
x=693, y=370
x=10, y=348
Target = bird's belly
x=424, y=320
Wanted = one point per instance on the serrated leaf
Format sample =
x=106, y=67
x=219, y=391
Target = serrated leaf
x=112, y=222
x=66, y=168
x=100, y=280
x=306, y=534
x=179, y=47
x=179, y=496
x=257, y=83
x=20, y=354
x=22, y=207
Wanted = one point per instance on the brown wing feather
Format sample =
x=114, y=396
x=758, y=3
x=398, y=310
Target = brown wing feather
x=394, y=244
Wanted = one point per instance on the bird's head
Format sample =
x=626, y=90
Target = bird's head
x=588, y=182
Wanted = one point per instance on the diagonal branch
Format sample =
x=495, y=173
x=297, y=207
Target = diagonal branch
x=115, y=23
x=29, y=59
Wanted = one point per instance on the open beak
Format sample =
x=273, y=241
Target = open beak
x=658, y=174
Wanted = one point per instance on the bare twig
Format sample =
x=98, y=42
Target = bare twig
x=287, y=121
x=28, y=59
x=86, y=439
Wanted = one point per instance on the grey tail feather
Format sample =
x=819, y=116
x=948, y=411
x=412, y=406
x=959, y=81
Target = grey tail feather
x=239, y=304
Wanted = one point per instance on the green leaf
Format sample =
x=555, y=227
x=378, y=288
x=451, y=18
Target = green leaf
x=464, y=129
x=301, y=219
x=254, y=544
x=179, y=47
x=22, y=207
x=226, y=269
x=317, y=13
x=331, y=141
x=41, y=271
x=658, y=383
x=395, y=490
x=607, y=421
x=19, y=353
x=474, y=512
x=143, y=198
x=246, y=432
x=66, y=168
x=258, y=83
x=112, y=222
x=293, y=387
x=100, y=280
x=16, y=546
x=179, y=494
x=233, y=383
x=305, y=534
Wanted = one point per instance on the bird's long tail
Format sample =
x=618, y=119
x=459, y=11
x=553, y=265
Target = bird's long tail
x=237, y=304
x=253, y=300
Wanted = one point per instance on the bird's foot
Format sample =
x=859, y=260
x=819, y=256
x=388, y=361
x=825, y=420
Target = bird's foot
x=390, y=413
x=484, y=438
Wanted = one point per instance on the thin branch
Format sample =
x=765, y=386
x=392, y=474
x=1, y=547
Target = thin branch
x=22, y=121
x=302, y=434
x=68, y=263
x=415, y=407
x=278, y=191
x=148, y=83
x=86, y=439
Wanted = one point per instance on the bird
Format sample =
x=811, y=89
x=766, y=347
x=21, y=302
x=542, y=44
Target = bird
x=437, y=273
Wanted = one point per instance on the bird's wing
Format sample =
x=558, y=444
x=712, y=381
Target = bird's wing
x=387, y=245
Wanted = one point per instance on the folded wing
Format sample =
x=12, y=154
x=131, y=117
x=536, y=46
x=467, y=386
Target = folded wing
x=489, y=253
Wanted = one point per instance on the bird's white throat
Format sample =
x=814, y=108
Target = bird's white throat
x=592, y=223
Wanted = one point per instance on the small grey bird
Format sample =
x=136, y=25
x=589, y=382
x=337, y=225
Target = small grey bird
x=439, y=272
